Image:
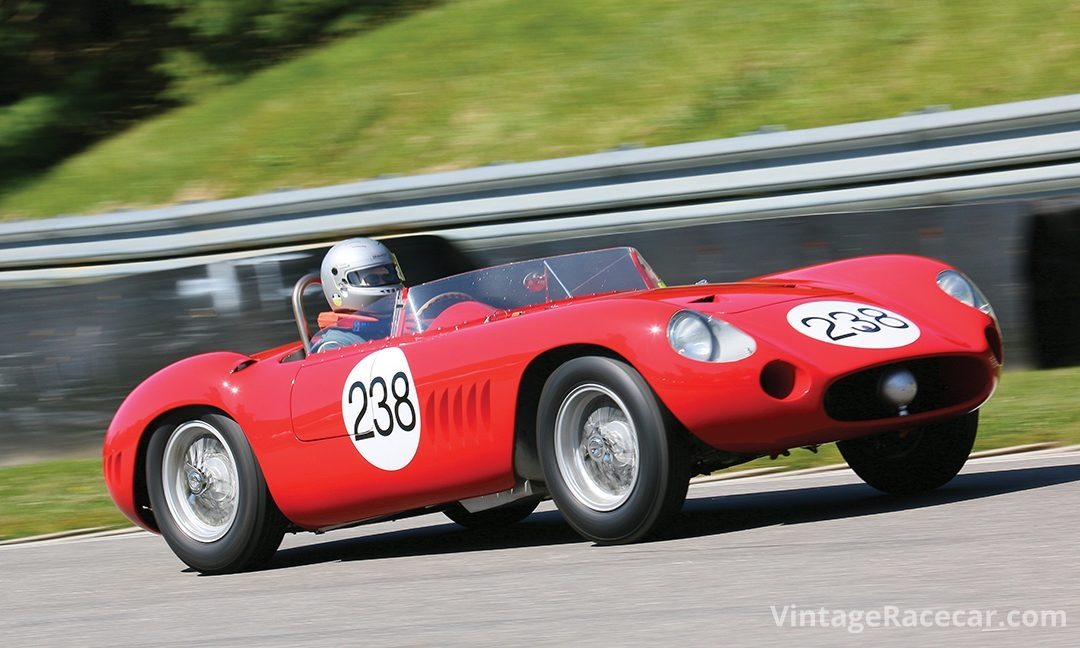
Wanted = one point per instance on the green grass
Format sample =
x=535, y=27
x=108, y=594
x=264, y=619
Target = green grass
x=475, y=81
x=1030, y=406
x=54, y=496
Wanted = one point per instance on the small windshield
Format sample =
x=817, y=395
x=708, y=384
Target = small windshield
x=527, y=283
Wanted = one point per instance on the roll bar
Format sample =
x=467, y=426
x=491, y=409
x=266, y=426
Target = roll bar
x=301, y=286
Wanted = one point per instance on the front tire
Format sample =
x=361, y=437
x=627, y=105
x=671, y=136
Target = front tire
x=614, y=463
x=916, y=460
x=209, y=497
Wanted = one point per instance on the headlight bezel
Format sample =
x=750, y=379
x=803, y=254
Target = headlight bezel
x=727, y=343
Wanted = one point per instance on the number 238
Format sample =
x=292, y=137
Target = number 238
x=856, y=322
x=386, y=415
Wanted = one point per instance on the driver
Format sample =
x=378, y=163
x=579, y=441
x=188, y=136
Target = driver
x=361, y=280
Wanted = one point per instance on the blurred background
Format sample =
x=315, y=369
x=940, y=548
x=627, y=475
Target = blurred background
x=169, y=168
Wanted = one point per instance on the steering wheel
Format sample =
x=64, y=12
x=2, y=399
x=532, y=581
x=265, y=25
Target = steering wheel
x=441, y=297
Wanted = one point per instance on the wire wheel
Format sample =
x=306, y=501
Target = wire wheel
x=596, y=447
x=200, y=481
x=612, y=458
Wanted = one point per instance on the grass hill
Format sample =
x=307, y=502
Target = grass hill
x=474, y=81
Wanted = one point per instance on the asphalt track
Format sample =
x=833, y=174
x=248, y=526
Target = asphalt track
x=1001, y=536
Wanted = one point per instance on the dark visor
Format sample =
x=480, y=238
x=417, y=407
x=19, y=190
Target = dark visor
x=384, y=275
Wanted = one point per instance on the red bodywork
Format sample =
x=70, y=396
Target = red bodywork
x=470, y=375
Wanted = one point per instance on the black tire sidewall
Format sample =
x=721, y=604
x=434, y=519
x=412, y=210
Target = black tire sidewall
x=241, y=543
x=940, y=452
x=637, y=516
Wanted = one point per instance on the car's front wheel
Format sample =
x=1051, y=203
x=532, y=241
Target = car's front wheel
x=209, y=497
x=913, y=460
x=614, y=464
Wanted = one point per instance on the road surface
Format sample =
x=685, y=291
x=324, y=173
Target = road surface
x=1002, y=536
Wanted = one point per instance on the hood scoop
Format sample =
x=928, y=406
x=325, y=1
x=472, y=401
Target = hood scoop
x=741, y=297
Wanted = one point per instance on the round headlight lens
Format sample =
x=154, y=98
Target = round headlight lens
x=956, y=286
x=959, y=287
x=691, y=336
x=708, y=339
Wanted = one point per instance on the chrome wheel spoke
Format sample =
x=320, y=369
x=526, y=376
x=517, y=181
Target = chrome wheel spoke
x=596, y=447
x=201, y=481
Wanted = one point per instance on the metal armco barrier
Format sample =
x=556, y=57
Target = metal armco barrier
x=1035, y=143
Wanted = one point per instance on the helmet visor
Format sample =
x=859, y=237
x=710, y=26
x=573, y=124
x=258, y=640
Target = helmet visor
x=383, y=275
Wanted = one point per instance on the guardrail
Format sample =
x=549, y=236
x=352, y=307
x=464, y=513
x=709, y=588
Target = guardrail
x=1012, y=150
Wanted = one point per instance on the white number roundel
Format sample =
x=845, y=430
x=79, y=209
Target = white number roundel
x=381, y=411
x=852, y=324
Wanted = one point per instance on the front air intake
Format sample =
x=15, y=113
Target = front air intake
x=942, y=382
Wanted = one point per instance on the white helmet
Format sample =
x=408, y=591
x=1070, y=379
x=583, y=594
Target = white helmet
x=357, y=272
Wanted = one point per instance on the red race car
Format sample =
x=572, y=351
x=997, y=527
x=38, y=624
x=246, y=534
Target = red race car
x=578, y=377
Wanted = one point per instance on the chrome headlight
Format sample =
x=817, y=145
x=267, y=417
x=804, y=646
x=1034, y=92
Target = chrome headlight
x=708, y=339
x=959, y=287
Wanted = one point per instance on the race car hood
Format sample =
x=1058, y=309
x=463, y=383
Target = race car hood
x=724, y=299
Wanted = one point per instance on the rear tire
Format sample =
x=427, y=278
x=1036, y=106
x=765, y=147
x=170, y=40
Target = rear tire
x=209, y=497
x=615, y=465
x=495, y=518
x=925, y=458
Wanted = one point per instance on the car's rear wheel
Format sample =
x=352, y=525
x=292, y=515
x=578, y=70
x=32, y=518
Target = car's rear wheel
x=209, y=497
x=913, y=460
x=614, y=464
x=492, y=518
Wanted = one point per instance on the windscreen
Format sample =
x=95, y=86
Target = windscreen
x=527, y=283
